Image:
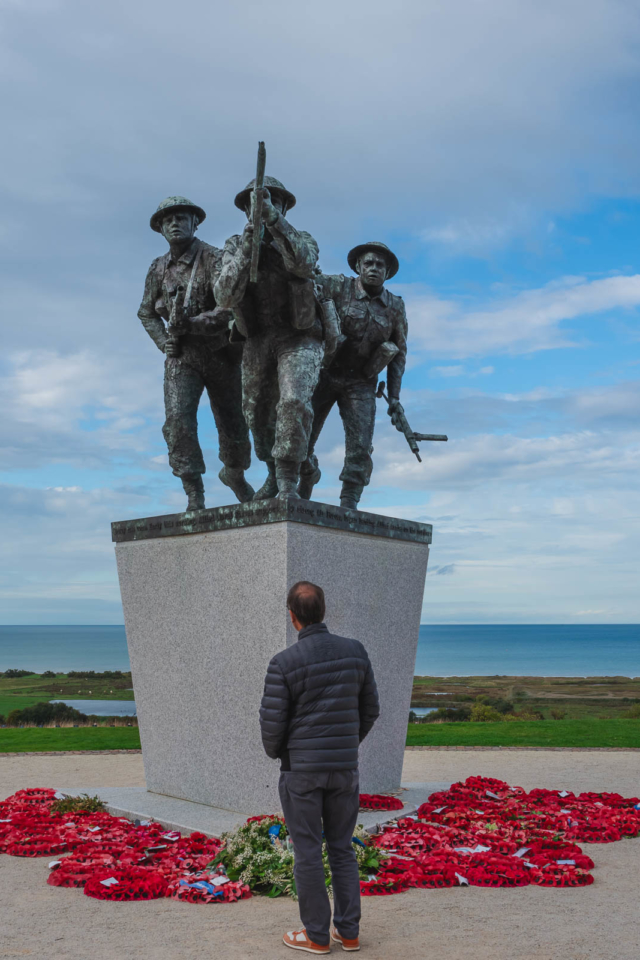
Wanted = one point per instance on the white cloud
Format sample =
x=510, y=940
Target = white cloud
x=525, y=322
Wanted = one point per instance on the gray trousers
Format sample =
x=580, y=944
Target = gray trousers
x=313, y=803
x=185, y=379
x=356, y=399
x=279, y=374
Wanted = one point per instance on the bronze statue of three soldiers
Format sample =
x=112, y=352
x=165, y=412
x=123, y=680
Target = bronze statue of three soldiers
x=275, y=343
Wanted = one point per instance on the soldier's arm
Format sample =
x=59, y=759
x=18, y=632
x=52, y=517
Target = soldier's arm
x=298, y=248
x=332, y=285
x=395, y=370
x=230, y=287
x=151, y=320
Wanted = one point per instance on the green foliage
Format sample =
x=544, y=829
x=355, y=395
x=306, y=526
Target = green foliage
x=9, y=674
x=75, y=804
x=447, y=714
x=633, y=713
x=41, y=713
x=558, y=714
x=483, y=713
x=48, y=673
x=3, y=720
x=264, y=861
x=92, y=675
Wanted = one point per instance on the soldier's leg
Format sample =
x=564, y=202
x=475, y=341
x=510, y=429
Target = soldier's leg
x=183, y=387
x=299, y=362
x=323, y=400
x=223, y=381
x=357, y=406
x=259, y=399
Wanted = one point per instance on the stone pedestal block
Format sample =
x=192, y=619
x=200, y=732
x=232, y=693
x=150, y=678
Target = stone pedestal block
x=204, y=598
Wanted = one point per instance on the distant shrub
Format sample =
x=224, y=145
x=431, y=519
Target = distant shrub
x=41, y=713
x=633, y=713
x=525, y=715
x=448, y=714
x=3, y=719
x=484, y=713
x=8, y=674
x=48, y=673
x=558, y=714
x=92, y=675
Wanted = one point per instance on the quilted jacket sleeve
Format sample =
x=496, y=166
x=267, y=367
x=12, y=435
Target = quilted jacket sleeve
x=274, y=711
x=369, y=705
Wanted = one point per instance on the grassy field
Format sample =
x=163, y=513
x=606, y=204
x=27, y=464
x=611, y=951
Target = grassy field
x=536, y=733
x=19, y=692
x=69, y=738
x=581, y=698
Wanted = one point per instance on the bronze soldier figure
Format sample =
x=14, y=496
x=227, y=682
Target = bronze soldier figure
x=278, y=317
x=374, y=335
x=179, y=293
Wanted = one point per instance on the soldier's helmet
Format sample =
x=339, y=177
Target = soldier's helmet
x=354, y=255
x=274, y=186
x=175, y=203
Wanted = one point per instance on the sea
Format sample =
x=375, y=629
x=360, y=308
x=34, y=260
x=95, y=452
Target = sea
x=536, y=650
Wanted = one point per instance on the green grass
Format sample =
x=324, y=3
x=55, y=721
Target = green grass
x=68, y=738
x=9, y=703
x=535, y=733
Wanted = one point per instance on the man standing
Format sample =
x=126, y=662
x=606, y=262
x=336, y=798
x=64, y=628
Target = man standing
x=278, y=318
x=179, y=292
x=374, y=328
x=320, y=701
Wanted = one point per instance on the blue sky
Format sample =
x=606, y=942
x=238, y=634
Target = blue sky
x=493, y=146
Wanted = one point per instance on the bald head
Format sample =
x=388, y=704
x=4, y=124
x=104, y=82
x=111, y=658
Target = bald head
x=306, y=602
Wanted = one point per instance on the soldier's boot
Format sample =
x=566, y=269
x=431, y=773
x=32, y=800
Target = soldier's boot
x=309, y=475
x=269, y=488
x=350, y=495
x=194, y=489
x=233, y=477
x=287, y=475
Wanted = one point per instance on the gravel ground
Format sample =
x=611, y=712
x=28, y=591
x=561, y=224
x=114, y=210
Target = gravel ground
x=593, y=923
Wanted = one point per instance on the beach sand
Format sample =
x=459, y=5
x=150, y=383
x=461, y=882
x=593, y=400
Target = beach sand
x=600, y=922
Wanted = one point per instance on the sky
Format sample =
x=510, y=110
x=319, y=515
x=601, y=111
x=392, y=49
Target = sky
x=493, y=144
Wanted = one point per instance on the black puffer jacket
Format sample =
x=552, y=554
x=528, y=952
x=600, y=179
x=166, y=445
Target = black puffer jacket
x=320, y=701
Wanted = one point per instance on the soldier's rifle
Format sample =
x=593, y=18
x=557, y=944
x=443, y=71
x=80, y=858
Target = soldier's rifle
x=411, y=437
x=176, y=325
x=258, y=198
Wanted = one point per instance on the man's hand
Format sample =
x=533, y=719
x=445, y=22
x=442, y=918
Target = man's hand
x=247, y=240
x=172, y=348
x=395, y=411
x=269, y=212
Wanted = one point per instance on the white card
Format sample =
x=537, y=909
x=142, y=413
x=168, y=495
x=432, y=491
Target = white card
x=54, y=863
x=462, y=880
x=109, y=882
x=521, y=852
x=218, y=881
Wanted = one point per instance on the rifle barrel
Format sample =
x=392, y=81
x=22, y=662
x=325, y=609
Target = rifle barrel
x=430, y=436
x=258, y=190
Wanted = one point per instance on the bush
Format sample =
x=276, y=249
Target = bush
x=74, y=804
x=48, y=673
x=483, y=713
x=633, y=713
x=448, y=714
x=17, y=673
x=558, y=714
x=41, y=713
x=92, y=675
x=3, y=719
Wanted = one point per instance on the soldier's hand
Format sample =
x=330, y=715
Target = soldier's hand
x=247, y=240
x=395, y=411
x=172, y=348
x=269, y=212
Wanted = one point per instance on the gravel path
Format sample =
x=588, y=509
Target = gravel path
x=594, y=923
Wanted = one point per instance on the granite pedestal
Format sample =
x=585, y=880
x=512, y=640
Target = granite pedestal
x=204, y=597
